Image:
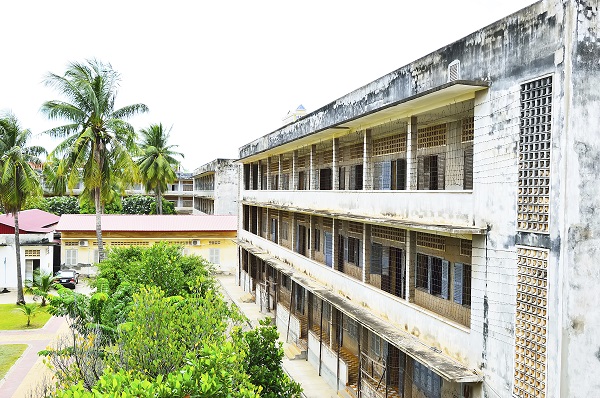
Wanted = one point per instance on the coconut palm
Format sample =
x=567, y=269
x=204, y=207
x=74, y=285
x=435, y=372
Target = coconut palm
x=157, y=161
x=29, y=310
x=40, y=285
x=18, y=180
x=98, y=142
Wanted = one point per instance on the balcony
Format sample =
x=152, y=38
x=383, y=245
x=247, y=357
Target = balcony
x=447, y=209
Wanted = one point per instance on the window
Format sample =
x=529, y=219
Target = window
x=301, y=180
x=356, y=177
x=389, y=175
x=286, y=282
x=425, y=379
x=342, y=178
x=317, y=240
x=284, y=230
x=354, y=251
x=325, y=182
x=254, y=169
x=246, y=176
x=328, y=248
x=274, y=230
x=351, y=327
x=433, y=275
x=71, y=255
x=462, y=284
x=375, y=344
x=214, y=256
x=431, y=172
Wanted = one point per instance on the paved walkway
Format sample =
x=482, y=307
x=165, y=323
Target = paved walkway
x=300, y=370
x=29, y=370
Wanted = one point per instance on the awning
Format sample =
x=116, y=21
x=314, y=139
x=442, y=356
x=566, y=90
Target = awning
x=441, y=364
x=390, y=222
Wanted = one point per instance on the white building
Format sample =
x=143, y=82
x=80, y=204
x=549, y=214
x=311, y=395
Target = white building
x=216, y=188
x=434, y=233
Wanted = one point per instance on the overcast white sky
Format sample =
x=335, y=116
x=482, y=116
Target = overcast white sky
x=223, y=73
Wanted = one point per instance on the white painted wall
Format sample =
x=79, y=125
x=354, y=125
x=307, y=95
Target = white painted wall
x=8, y=268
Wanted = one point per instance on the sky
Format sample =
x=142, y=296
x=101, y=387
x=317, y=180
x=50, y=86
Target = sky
x=220, y=74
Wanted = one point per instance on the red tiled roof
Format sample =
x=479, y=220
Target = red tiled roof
x=33, y=220
x=142, y=223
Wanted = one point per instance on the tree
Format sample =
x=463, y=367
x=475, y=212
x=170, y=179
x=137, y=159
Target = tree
x=40, y=286
x=144, y=204
x=29, y=310
x=157, y=161
x=60, y=205
x=18, y=181
x=98, y=142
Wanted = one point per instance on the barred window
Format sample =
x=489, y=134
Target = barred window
x=351, y=327
x=426, y=380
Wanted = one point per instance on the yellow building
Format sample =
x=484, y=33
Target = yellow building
x=212, y=237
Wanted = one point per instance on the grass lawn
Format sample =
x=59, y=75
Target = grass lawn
x=13, y=319
x=9, y=353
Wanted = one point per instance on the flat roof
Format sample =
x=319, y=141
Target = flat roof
x=446, y=367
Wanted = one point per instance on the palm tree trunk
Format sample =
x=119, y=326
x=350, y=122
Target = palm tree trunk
x=20, y=296
x=159, y=201
x=97, y=203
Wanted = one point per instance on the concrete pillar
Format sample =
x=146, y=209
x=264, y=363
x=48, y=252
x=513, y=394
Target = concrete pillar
x=313, y=174
x=366, y=252
x=367, y=161
x=411, y=154
x=294, y=182
x=279, y=172
x=293, y=231
x=269, y=180
x=410, y=266
x=334, y=166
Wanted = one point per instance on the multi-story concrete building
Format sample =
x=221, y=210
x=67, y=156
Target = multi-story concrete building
x=216, y=186
x=434, y=233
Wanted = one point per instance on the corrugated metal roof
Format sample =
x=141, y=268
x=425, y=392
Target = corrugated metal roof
x=33, y=220
x=142, y=223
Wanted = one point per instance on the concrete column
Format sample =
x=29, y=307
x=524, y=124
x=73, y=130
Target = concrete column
x=313, y=170
x=269, y=182
x=410, y=256
x=366, y=252
x=279, y=228
x=311, y=237
x=334, y=171
x=294, y=182
x=367, y=161
x=279, y=171
x=411, y=154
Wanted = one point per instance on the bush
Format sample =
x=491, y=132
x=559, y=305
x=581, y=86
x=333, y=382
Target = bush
x=60, y=205
x=145, y=204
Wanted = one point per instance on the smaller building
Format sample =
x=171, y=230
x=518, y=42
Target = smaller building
x=212, y=237
x=216, y=187
x=181, y=193
x=39, y=249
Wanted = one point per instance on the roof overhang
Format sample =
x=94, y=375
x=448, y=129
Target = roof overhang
x=386, y=221
x=376, y=113
x=442, y=365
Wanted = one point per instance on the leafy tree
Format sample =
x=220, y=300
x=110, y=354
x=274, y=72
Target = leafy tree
x=98, y=142
x=29, y=310
x=157, y=161
x=263, y=363
x=60, y=205
x=40, y=286
x=160, y=265
x=144, y=204
x=18, y=181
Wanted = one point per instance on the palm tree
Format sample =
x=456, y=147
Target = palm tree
x=40, y=286
x=18, y=181
x=157, y=161
x=29, y=310
x=98, y=142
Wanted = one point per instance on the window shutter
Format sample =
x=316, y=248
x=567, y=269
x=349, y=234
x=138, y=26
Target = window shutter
x=352, y=178
x=429, y=274
x=386, y=176
x=377, y=174
x=385, y=261
x=468, y=169
x=273, y=227
x=400, y=174
x=445, y=285
x=458, y=283
x=376, y=250
x=328, y=249
x=358, y=247
x=441, y=170
x=342, y=178
x=422, y=179
x=345, y=248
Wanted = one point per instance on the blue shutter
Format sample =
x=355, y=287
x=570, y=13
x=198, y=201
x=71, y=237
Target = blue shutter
x=328, y=249
x=385, y=261
x=376, y=258
x=458, y=283
x=445, y=270
x=429, y=274
x=386, y=176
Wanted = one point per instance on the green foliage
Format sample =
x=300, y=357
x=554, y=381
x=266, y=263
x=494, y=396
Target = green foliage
x=40, y=286
x=109, y=207
x=263, y=363
x=29, y=310
x=160, y=265
x=60, y=205
x=145, y=204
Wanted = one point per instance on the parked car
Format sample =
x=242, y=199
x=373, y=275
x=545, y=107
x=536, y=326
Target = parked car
x=68, y=278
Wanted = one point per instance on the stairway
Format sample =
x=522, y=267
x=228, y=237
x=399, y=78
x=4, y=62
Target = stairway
x=293, y=352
